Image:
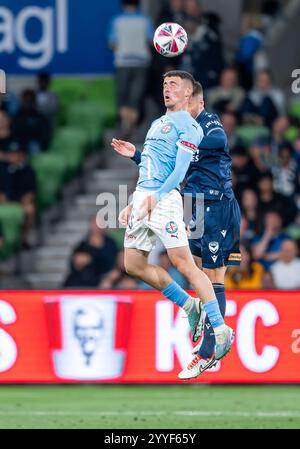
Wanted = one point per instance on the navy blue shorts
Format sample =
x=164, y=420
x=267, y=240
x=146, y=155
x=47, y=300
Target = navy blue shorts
x=219, y=244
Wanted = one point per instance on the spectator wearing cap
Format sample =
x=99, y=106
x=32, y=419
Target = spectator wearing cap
x=29, y=126
x=18, y=184
x=228, y=96
x=286, y=270
x=267, y=246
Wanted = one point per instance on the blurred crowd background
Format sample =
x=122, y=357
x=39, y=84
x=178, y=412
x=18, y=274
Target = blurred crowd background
x=47, y=144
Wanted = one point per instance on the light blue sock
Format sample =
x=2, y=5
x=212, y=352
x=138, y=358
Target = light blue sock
x=213, y=312
x=175, y=293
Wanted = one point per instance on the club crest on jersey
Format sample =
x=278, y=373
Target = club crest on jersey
x=166, y=129
x=172, y=228
x=213, y=247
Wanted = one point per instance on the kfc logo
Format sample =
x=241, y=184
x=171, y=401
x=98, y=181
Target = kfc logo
x=88, y=335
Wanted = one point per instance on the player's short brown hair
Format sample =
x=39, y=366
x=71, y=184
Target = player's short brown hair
x=198, y=89
x=180, y=74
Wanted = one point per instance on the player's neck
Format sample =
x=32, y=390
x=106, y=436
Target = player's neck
x=178, y=107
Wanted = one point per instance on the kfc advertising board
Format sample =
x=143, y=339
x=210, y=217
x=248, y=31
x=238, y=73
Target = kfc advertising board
x=140, y=337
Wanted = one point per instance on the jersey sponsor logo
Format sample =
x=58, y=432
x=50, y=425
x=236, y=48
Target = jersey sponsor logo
x=188, y=145
x=235, y=257
x=166, y=128
x=224, y=232
x=172, y=229
x=213, y=247
x=213, y=122
x=214, y=192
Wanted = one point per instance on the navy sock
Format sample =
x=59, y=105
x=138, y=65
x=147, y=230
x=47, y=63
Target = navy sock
x=208, y=343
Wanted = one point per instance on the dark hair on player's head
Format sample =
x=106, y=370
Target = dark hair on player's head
x=180, y=74
x=198, y=89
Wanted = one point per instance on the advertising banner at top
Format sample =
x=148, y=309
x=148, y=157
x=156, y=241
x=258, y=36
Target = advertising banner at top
x=57, y=36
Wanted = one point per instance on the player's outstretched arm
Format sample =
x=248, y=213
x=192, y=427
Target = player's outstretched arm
x=124, y=148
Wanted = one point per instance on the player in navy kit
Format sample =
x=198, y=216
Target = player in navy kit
x=156, y=210
x=209, y=176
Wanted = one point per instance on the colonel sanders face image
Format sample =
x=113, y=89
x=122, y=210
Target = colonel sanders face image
x=89, y=333
x=88, y=330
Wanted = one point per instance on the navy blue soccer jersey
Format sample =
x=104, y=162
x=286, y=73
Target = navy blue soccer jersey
x=210, y=170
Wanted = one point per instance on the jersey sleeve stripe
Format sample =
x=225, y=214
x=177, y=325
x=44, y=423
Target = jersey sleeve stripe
x=184, y=148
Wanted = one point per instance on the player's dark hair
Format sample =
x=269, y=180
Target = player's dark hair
x=180, y=74
x=198, y=89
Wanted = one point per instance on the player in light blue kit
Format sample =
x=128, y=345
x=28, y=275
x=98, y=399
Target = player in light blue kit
x=157, y=210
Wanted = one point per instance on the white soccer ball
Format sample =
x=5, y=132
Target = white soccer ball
x=170, y=39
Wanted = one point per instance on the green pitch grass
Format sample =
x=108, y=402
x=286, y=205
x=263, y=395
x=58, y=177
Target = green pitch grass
x=149, y=407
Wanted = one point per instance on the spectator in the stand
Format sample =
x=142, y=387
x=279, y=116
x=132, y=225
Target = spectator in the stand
x=251, y=42
x=82, y=271
x=229, y=122
x=244, y=170
x=264, y=102
x=30, y=127
x=285, y=171
x=18, y=184
x=267, y=246
x=265, y=149
x=93, y=258
x=5, y=132
x=129, y=37
x=102, y=247
x=204, y=54
x=46, y=101
x=270, y=200
x=172, y=11
x=251, y=212
x=286, y=271
x=249, y=275
x=117, y=278
x=228, y=96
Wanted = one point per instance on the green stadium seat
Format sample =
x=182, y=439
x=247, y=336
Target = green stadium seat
x=71, y=143
x=248, y=133
x=291, y=133
x=11, y=219
x=101, y=91
x=118, y=236
x=87, y=116
x=50, y=170
x=294, y=109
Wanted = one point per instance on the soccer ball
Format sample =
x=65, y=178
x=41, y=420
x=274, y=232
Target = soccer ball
x=170, y=39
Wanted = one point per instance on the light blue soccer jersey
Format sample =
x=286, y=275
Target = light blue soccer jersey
x=172, y=133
